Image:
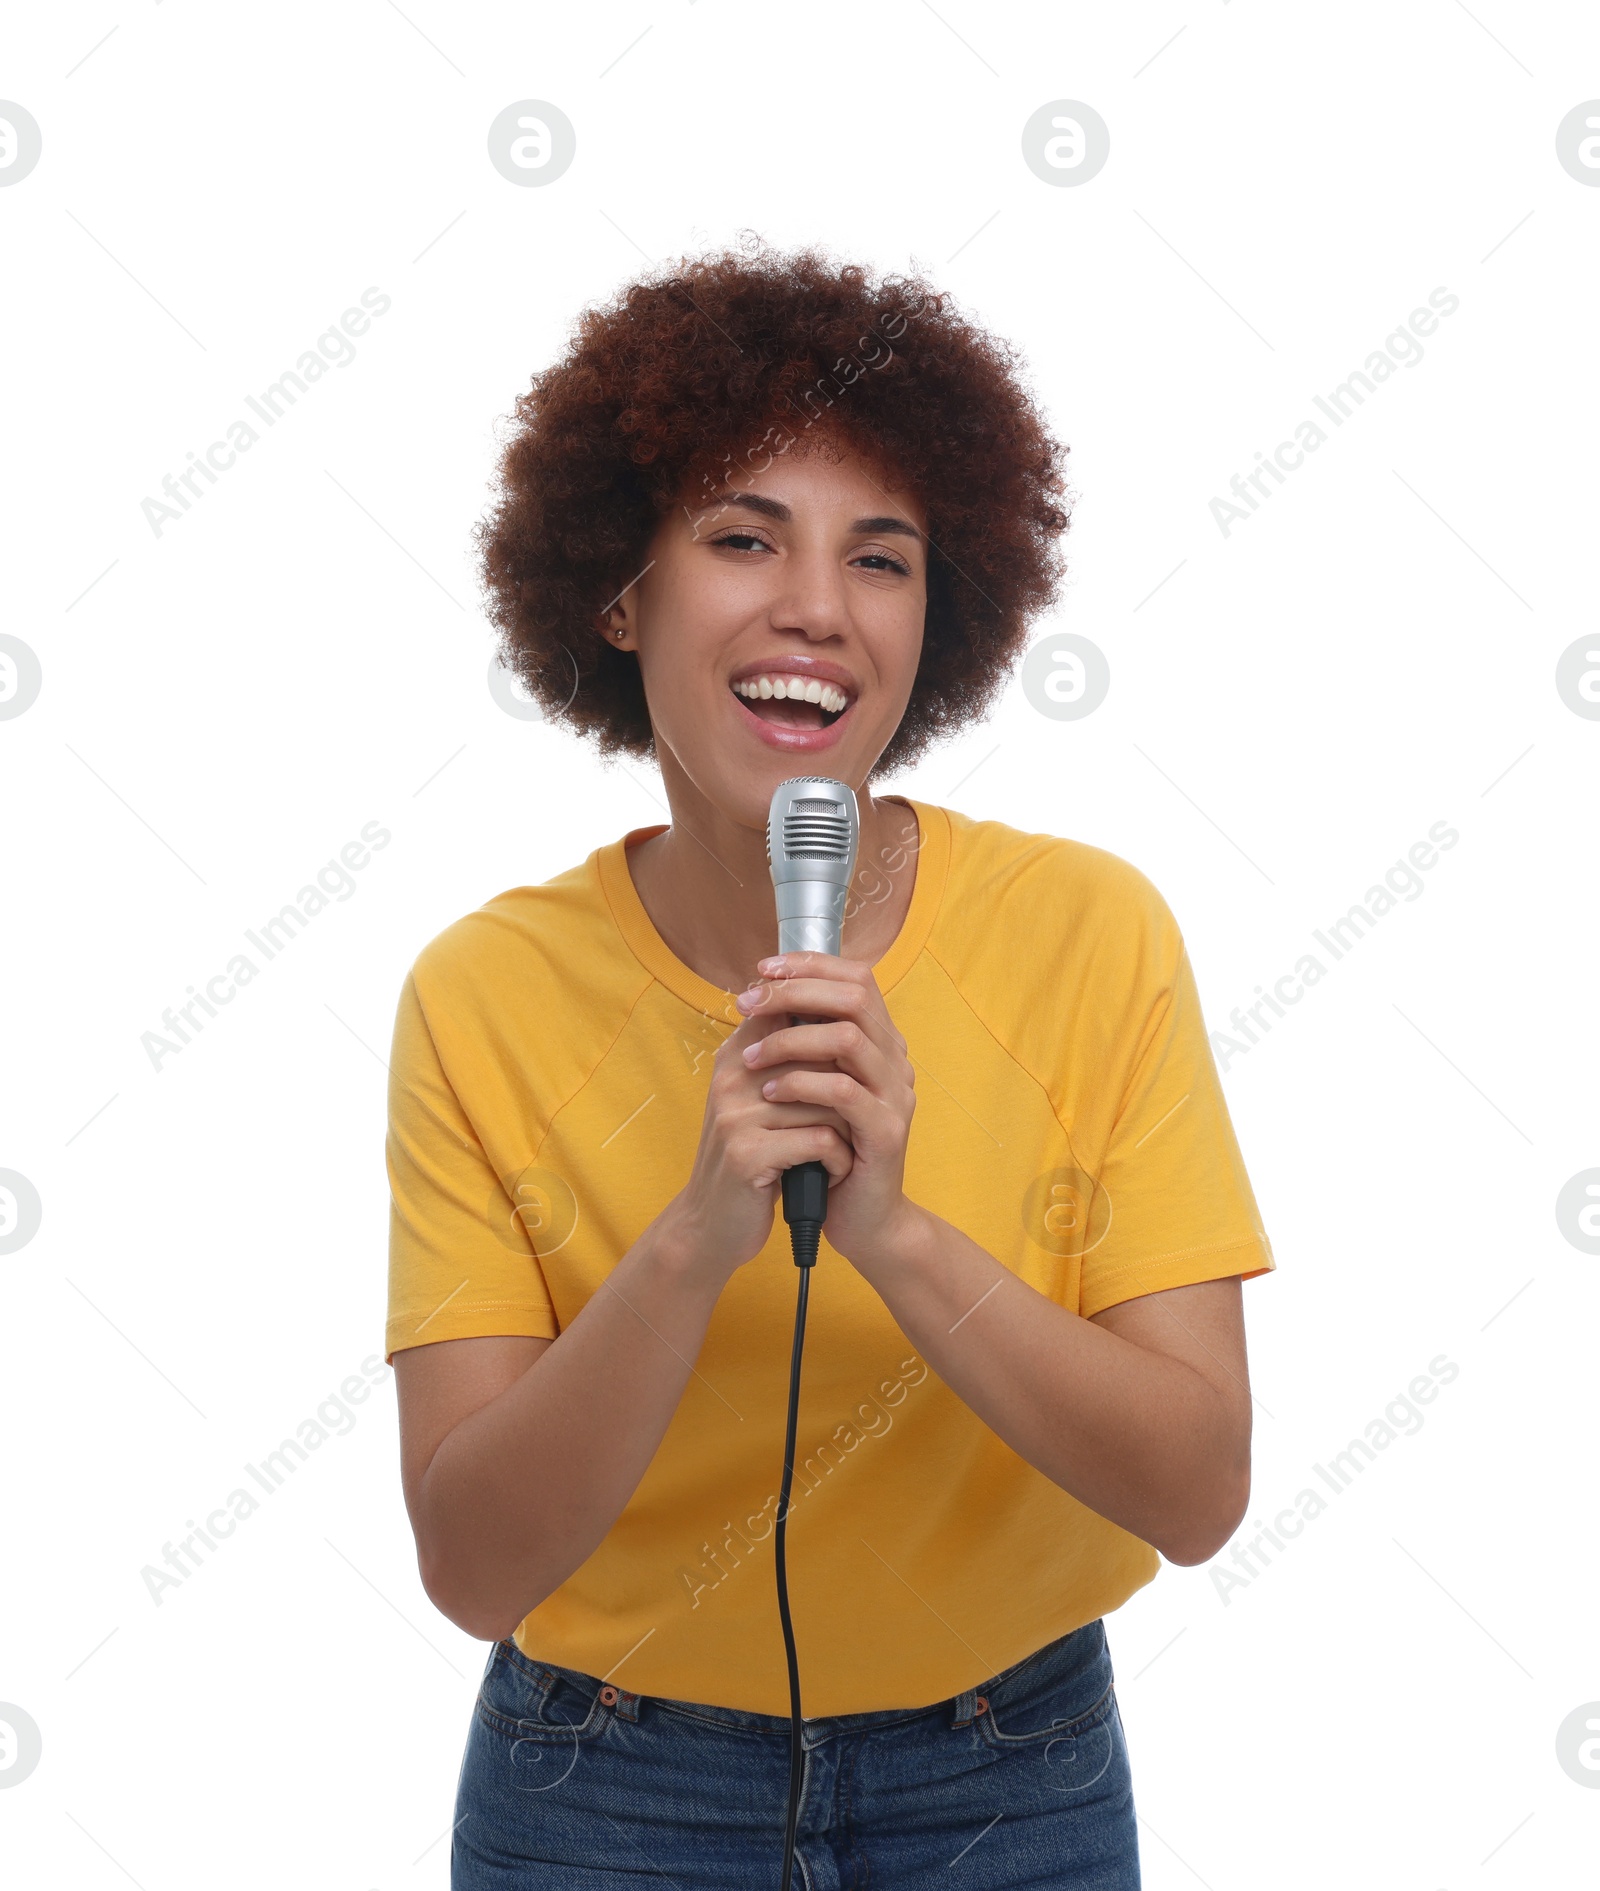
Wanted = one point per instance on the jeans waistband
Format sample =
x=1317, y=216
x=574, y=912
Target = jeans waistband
x=958, y=1711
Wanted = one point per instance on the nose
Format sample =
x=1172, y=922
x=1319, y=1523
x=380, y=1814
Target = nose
x=810, y=595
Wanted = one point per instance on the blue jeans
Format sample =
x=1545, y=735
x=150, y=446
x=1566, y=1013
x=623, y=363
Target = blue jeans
x=1019, y=1784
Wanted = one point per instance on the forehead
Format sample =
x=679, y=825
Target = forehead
x=807, y=477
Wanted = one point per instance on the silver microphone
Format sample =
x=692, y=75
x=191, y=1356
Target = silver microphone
x=813, y=830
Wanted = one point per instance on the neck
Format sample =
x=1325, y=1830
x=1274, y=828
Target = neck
x=708, y=890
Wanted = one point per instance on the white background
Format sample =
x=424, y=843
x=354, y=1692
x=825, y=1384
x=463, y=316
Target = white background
x=1292, y=706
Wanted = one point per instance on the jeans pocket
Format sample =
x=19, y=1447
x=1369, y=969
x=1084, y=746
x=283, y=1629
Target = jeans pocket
x=1069, y=1755
x=533, y=1706
x=1059, y=1693
x=1001, y=1730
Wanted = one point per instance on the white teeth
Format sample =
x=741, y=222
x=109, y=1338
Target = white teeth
x=794, y=689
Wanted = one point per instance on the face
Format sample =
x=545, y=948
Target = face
x=779, y=627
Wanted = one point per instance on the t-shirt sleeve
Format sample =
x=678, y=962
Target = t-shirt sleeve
x=461, y=1263
x=1178, y=1206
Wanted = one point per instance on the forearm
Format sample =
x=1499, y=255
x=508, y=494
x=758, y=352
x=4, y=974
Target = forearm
x=522, y=1492
x=1140, y=1438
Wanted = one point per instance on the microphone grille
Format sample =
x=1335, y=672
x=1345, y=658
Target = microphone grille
x=816, y=828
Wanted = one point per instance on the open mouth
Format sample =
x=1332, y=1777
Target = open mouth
x=792, y=702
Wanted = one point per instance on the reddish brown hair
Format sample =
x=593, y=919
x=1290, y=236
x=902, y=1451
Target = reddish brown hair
x=715, y=365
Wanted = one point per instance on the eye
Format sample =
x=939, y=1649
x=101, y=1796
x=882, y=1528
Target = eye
x=882, y=561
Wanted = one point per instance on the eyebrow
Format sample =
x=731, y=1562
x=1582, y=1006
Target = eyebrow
x=776, y=509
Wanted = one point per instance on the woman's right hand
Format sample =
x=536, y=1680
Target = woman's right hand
x=723, y=1214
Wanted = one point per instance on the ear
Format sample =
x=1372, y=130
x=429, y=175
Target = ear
x=615, y=626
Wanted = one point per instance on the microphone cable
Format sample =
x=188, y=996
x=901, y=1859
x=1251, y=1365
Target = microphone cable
x=813, y=831
x=805, y=1208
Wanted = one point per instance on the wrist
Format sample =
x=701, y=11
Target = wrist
x=678, y=1248
x=898, y=1242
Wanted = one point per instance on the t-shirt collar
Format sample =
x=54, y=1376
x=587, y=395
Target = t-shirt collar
x=653, y=952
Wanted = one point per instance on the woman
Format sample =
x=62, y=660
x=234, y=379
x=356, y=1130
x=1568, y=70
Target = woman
x=770, y=518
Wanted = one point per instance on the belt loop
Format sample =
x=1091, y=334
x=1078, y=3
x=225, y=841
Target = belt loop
x=964, y=1707
x=621, y=1702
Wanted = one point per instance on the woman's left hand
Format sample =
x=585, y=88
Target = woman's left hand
x=841, y=1053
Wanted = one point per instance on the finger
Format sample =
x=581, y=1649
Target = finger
x=820, y=998
x=868, y=1118
x=750, y=1030
x=840, y=1042
x=844, y=976
x=796, y=1113
x=829, y=1091
x=829, y=965
x=806, y=1003
x=729, y=1072
x=813, y=1142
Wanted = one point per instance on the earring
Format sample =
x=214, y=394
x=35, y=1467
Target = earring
x=621, y=634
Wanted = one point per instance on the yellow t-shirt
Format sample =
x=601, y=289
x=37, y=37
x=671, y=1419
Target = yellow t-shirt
x=551, y=1059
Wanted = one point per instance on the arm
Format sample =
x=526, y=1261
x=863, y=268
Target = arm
x=1142, y=1413
x=518, y=1454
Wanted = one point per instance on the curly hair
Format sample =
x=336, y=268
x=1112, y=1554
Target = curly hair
x=719, y=363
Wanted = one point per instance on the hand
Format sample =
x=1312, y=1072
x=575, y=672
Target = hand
x=851, y=1069
x=722, y=1216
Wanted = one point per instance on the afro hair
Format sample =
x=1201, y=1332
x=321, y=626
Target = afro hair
x=706, y=370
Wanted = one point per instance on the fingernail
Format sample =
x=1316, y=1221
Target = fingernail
x=748, y=1000
x=768, y=1088
x=751, y=1053
x=769, y=965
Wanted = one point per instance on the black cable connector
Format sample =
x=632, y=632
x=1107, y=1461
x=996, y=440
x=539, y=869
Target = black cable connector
x=805, y=1208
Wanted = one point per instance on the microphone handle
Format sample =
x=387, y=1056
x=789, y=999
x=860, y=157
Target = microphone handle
x=810, y=919
x=806, y=1184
